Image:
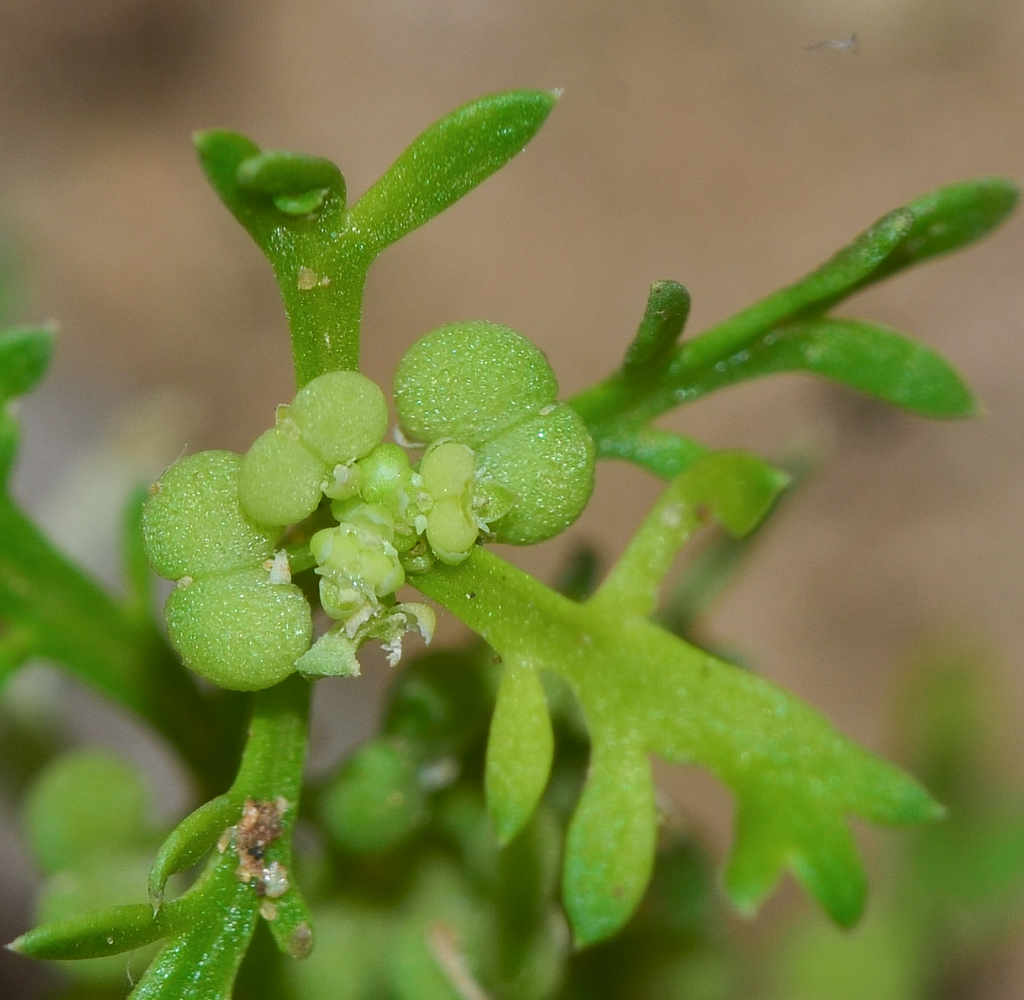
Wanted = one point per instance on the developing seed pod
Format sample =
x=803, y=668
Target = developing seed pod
x=281, y=479
x=238, y=629
x=192, y=522
x=340, y=415
x=448, y=471
x=547, y=463
x=469, y=381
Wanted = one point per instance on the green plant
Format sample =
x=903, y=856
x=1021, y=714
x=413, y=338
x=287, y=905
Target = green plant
x=426, y=884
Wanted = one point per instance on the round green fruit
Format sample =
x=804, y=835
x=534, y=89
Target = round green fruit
x=469, y=381
x=341, y=416
x=547, y=463
x=281, y=480
x=192, y=522
x=239, y=630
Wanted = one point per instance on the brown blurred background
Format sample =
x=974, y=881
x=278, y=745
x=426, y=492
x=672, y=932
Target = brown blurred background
x=696, y=140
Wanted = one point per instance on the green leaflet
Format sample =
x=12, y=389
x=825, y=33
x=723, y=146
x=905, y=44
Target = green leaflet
x=189, y=841
x=642, y=690
x=874, y=359
x=293, y=206
x=609, y=849
x=201, y=959
x=96, y=934
x=668, y=306
x=447, y=161
x=949, y=218
x=520, y=748
x=744, y=346
x=210, y=926
x=938, y=222
x=663, y=453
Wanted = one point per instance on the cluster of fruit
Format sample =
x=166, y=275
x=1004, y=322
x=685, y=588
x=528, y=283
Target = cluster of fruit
x=501, y=460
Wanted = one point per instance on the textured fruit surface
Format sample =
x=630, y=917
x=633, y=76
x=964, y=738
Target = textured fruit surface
x=547, y=462
x=468, y=381
x=238, y=629
x=192, y=522
x=280, y=480
x=341, y=415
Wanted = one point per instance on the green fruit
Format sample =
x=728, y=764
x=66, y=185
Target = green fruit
x=281, y=479
x=547, y=462
x=238, y=630
x=386, y=478
x=84, y=802
x=448, y=471
x=341, y=416
x=192, y=522
x=468, y=381
x=377, y=800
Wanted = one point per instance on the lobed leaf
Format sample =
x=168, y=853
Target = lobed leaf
x=447, y=161
x=741, y=347
x=642, y=690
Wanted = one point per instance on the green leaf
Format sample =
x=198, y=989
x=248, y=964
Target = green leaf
x=668, y=306
x=201, y=958
x=319, y=263
x=936, y=223
x=609, y=851
x=520, y=748
x=949, y=218
x=297, y=184
x=447, y=161
x=663, y=453
x=24, y=356
x=735, y=487
x=190, y=840
x=291, y=925
x=94, y=935
x=874, y=359
x=796, y=779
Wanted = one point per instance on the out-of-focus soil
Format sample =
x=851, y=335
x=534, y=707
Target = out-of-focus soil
x=700, y=141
